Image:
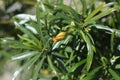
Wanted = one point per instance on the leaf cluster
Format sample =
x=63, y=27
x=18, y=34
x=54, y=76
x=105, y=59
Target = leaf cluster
x=77, y=56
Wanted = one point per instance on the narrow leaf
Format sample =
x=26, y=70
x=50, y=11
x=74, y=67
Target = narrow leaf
x=26, y=31
x=37, y=68
x=114, y=74
x=17, y=72
x=94, y=12
x=84, y=7
x=112, y=42
x=91, y=74
x=104, y=13
x=76, y=65
x=51, y=64
x=39, y=12
x=62, y=65
x=90, y=49
x=24, y=55
x=27, y=39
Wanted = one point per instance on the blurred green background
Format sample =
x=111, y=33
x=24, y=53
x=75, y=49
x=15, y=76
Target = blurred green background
x=9, y=8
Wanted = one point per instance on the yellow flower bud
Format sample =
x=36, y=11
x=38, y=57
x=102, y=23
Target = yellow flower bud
x=45, y=72
x=87, y=29
x=72, y=23
x=60, y=36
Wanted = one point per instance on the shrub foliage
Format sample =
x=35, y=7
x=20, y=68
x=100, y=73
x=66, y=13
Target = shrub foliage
x=63, y=42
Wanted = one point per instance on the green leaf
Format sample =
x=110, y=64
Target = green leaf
x=89, y=56
x=35, y=58
x=24, y=55
x=117, y=66
x=27, y=39
x=26, y=31
x=91, y=19
x=84, y=7
x=110, y=4
x=51, y=65
x=66, y=8
x=57, y=45
x=90, y=49
x=67, y=40
x=72, y=57
x=62, y=65
x=68, y=49
x=102, y=27
x=94, y=12
x=17, y=72
x=102, y=14
x=24, y=18
x=18, y=45
x=37, y=68
x=108, y=29
x=91, y=74
x=112, y=42
x=21, y=46
x=76, y=65
x=30, y=43
x=39, y=25
x=59, y=55
x=114, y=74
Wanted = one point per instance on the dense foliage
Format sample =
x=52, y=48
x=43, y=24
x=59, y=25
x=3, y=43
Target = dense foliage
x=63, y=42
